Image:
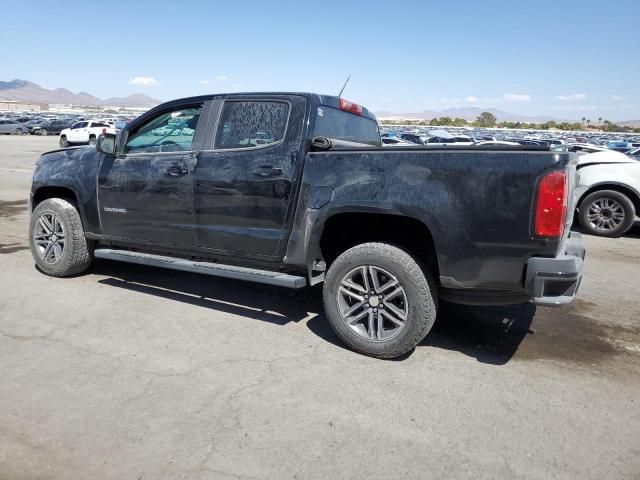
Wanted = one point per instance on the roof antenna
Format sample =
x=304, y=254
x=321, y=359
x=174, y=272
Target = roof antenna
x=344, y=86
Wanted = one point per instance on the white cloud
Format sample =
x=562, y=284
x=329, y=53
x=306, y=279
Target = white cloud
x=205, y=82
x=222, y=78
x=570, y=98
x=516, y=97
x=471, y=99
x=144, y=81
x=574, y=108
x=617, y=98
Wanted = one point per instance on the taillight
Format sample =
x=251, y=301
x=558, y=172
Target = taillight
x=351, y=107
x=551, y=204
x=104, y=131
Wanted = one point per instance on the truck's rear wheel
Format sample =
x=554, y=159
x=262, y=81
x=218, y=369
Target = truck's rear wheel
x=378, y=300
x=607, y=213
x=58, y=244
x=92, y=140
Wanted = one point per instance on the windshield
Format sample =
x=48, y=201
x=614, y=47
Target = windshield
x=339, y=125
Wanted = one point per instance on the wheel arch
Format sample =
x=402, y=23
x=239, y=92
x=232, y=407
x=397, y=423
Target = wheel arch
x=58, y=191
x=345, y=228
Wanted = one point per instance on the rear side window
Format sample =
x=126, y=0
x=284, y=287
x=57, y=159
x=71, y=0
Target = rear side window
x=251, y=124
x=334, y=123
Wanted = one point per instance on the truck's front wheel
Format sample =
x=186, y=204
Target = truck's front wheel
x=378, y=300
x=58, y=244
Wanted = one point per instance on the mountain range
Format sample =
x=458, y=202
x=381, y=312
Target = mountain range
x=25, y=91
x=468, y=113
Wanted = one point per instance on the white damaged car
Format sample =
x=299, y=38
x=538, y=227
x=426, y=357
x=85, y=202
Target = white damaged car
x=608, y=193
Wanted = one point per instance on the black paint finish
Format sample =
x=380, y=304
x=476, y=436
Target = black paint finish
x=267, y=206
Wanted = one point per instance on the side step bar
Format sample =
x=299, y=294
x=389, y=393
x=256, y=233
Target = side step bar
x=214, y=269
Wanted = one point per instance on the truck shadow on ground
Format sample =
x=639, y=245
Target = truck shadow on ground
x=491, y=335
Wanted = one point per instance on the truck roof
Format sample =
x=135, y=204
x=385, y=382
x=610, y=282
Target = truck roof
x=314, y=98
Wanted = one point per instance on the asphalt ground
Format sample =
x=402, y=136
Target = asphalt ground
x=129, y=372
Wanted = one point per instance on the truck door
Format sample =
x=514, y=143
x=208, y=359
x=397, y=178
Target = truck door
x=145, y=192
x=245, y=177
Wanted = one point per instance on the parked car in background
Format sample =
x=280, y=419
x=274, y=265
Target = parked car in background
x=583, y=148
x=53, y=127
x=83, y=133
x=634, y=153
x=11, y=127
x=608, y=191
x=396, y=142
x=443, y=138
x=618, y=146
x=414, y=138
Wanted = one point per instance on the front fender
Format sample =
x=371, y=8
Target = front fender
x=73, y=169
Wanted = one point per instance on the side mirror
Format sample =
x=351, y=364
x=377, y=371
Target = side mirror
x=106, y=143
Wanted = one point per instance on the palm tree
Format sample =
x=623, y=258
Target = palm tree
x=599, y=120
x=584, y=119
x=588, y=122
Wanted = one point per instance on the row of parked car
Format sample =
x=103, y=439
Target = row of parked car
x=392, y=137
x=72, y=129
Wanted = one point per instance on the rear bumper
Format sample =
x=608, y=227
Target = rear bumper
x=555, y=281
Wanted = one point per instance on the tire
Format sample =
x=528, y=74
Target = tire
x=18, y=131
x=417, y=300
x=55, y=258
x=606, y=213
x=92, y=140
x=44, y=132
x=63, y=142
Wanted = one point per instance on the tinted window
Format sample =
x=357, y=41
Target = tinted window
x=251, y=124
x=334, y=123
x=99, y=124
x=170, y=131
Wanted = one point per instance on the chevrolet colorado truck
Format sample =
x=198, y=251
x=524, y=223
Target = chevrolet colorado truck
x=295, y=189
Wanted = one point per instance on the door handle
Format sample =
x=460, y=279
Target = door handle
x=176, y=171
x=267, y=171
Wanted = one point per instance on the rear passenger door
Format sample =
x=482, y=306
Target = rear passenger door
x=245, y=177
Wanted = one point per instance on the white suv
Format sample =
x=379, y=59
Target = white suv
x=83, y=133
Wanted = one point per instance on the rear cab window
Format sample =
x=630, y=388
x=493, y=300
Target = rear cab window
x=251, y=124
x=340, y=125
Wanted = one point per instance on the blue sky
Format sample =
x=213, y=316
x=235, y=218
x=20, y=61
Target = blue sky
x=563, y=58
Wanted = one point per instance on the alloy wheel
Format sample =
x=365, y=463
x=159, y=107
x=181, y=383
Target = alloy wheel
x=49, y=238
x=373, y=303
x=605, y=214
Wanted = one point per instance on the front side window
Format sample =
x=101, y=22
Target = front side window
x=251, y=124
x=170, y=131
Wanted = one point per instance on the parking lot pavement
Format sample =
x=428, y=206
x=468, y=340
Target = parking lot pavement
x=130, y=372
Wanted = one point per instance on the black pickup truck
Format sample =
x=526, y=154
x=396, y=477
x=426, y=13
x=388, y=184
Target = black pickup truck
x=295, y=189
